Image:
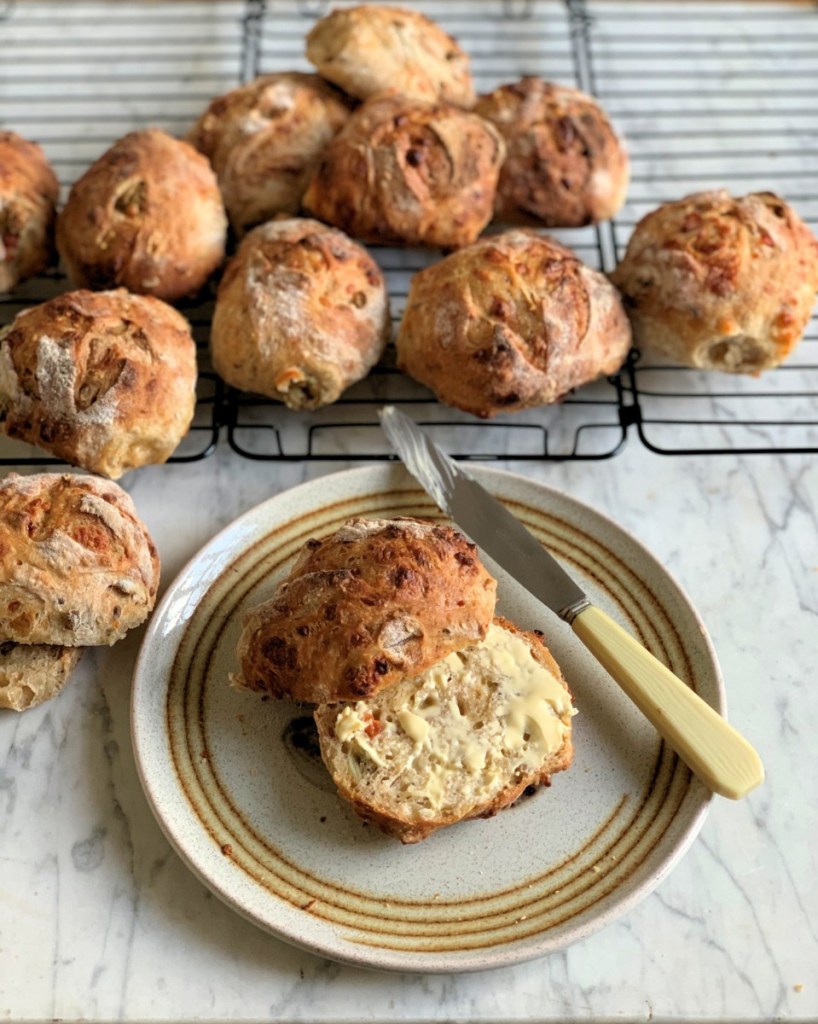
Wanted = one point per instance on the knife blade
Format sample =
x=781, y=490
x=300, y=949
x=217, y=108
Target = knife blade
x=716, y=752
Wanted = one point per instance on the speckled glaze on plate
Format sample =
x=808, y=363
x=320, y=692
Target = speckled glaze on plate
x=235, y=783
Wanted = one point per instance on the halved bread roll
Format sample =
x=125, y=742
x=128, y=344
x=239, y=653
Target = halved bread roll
x=363, y=608
x=462, y=740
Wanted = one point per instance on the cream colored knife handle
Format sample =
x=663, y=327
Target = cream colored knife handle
x=705, y=741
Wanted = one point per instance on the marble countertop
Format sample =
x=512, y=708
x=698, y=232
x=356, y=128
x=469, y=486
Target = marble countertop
x=101, y=920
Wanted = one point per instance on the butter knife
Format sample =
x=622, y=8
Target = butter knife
x=716, y=752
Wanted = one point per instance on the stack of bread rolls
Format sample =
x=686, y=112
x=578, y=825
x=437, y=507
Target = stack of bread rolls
x=390, y=145
x=430, y=709
x=78, y=569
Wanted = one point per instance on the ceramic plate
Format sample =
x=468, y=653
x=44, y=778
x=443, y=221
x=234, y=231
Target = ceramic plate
x=236, y=784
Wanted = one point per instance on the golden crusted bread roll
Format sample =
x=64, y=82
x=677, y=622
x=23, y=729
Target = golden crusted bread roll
x=77, y=565
x=148, y=216
x=513, y=321
x=28, y=197
x=264, y=141
x=374, y=602
x=461, y=740
x=407, y=171
x=565, y=165
x=720, y=283
x=376, y=49
x=302, y=313
x=31, y=674
x=104, y=380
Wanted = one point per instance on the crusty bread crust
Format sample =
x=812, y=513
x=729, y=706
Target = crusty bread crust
x=31, y=674
x=264, y=140
x=720, y=283
x=374, y=602
x=511, y=322
x=302, y=313
x=400, y=818
x=29, y=191
x=147, y=216
x=377, y=49
x=565, y=166
x=409, y=172
x=104, y=380
x=77, y=565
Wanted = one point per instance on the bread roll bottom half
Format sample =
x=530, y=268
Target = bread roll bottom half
x=462, y=740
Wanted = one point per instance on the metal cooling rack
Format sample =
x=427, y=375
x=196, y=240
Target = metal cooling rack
x=76, y=76
x=693, y=87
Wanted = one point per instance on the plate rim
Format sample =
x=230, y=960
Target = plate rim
x=384, y=958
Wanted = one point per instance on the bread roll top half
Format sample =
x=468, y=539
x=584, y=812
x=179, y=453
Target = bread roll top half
x=375, y=602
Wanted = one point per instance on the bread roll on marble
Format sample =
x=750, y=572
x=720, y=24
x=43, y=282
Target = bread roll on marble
x=147, y=216
x=31, y=674
x=409, y=172
x=565, y=165
x=302, y=313
x=373, y=49
x=28, y=197
x=77, y=565
x=720, y=283
x=103, y=380
x=264, y=141
x=378, y=600
x=513, y=321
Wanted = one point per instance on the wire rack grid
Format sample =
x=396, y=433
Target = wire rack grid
x=709, y=96
x=687, y=93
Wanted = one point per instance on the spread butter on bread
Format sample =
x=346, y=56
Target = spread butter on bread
x=461, y=740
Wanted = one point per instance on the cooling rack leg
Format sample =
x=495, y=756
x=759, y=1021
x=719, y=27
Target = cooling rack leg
x=251, y=39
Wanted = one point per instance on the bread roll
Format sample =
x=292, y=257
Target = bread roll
x=302, y=313
x=77, y=565
x=264, y=141
x=33, y=673
x=376, y=601
x=461, y=740
x=513, y=321
x=104, y=380
x=720, y=283
x=565, y=166
x=148, y=216
x=28, y=196
x=407, y=171
x=374, y=49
